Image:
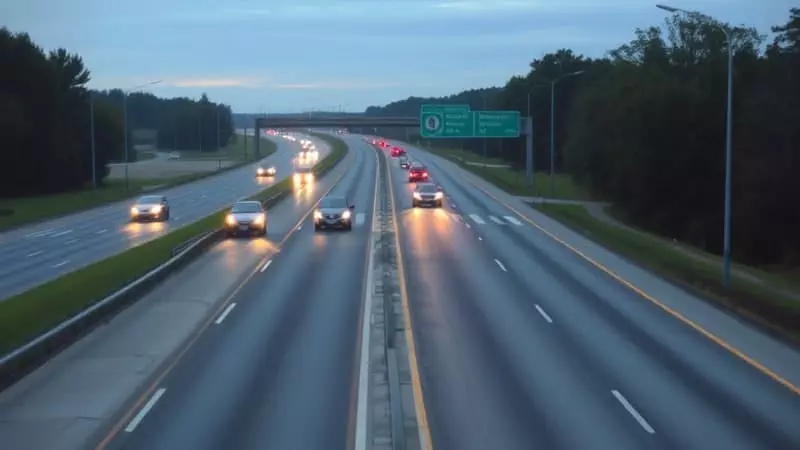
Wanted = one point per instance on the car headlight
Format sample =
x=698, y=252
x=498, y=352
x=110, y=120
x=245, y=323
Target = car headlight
x=271, y=170
x=417, y=196
x=260, y=219
x=317, y=215
x=346, y=214
x=309, y=176
x=297, y=178
x=438, y=195
x=134, y=210
x=157, y=209
x=230, y=220
x=260, y=171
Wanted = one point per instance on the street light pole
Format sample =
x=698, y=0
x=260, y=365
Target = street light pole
x=91, y=130
x=218, y=141
x=553, y=129
x=125, y=121
x=726, y=239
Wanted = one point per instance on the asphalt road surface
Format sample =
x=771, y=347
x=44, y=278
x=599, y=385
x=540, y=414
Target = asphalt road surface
x=278, y=370
x=524, y=345
x=35, y=254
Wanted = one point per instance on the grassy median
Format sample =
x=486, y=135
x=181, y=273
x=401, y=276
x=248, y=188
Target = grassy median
x=27, y=315
x=33, y=209
x=773, y=308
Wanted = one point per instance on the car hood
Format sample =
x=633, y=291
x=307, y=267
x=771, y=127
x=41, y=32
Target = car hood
x=333, y=210
x=245, y=216
x=146, y=206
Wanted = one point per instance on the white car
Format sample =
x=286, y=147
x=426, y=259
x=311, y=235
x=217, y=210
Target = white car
x=174, y=155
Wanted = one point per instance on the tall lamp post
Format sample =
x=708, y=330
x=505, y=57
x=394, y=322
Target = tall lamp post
x=553, y=128
x=726, y=245
x=125, y=120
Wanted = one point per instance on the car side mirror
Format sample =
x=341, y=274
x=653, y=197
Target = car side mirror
x=439, y=187
x=352, y=206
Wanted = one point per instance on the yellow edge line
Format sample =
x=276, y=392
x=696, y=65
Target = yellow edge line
x=714, y=338
x=422, y=415
x=172, y=363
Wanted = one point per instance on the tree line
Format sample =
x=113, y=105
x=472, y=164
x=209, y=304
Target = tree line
x=644, y=127
x=46, y=112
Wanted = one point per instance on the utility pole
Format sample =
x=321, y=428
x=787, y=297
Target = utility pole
x=484, y=139
x=91, y=126
x=218, y=141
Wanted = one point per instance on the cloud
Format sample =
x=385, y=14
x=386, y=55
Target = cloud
x=245, y=82
x=335, y=85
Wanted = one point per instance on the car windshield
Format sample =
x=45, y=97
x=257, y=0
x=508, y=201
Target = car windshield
x=148, y=199
x=249, y=207
x=426, y=188
x=418, y=168
x=303, y=170
x=333, y=202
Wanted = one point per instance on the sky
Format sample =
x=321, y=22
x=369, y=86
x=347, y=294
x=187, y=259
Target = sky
x=263, y=56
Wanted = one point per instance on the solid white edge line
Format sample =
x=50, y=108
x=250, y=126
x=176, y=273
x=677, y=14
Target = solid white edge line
x=225, y=313
x=143, y=412
x=500, y=264
x=62, y=263
x=362, y=431
x=632, y=411
x=38, y=252
x=266, y=264
x=544, y=314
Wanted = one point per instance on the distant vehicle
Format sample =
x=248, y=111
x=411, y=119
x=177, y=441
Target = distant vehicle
x=417, y=173
x=150, y=207
x=333, y=212
x=268, y=172
x=303, y=176
x=398, y=151
x=404, y=163
x=248, y=217
x=174, y=155
x=427, y=194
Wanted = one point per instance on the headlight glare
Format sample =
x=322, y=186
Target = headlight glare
x=346, y=214
x=230, y=220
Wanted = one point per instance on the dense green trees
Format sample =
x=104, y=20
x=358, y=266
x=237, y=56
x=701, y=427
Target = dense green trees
x=644, y=128
x=45, y=125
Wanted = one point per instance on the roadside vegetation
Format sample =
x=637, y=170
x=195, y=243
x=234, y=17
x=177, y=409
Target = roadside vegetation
x=47, y=148
x=28, y=315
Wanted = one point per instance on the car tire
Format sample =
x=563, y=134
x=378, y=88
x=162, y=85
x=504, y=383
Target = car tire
x=440, y=204
x=414, y=205
x=166, y=216
x=316, y=228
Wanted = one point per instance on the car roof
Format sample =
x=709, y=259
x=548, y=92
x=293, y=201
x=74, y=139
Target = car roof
x=421, y=185
x=248, y=202
x=334, y=197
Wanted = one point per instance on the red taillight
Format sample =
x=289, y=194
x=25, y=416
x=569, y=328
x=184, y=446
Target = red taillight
x=424, y=174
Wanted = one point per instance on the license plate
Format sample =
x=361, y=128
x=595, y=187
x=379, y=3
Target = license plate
x=243, y=227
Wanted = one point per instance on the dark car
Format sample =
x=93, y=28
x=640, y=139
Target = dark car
x=417, y=173
x=333, y=212
x=150, y=207
x=404, y=163
x=246, y=217
x=398, y=151
x=427, y=194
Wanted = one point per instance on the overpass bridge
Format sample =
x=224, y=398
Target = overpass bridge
x=344, y=121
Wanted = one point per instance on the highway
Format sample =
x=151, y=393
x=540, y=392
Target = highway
x=278, y=369
x=38, y=253
x=522, y=344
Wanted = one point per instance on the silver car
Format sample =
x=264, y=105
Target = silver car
x=150, y=207
x=333, y=212
x=246, y=217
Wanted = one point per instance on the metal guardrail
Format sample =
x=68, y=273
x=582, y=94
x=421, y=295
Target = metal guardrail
x=28, y=357
x=25, y=359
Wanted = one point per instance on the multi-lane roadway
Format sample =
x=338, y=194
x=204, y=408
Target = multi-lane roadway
x=521, y=343
x=35, y=254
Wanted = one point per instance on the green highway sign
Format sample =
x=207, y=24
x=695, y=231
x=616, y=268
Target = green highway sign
x=446, y=121
x=496, y=124
x=458, y=121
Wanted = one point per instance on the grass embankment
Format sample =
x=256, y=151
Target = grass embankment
x=759, y=301
x=27, y=315
x=26, y=210
x=513, y=181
